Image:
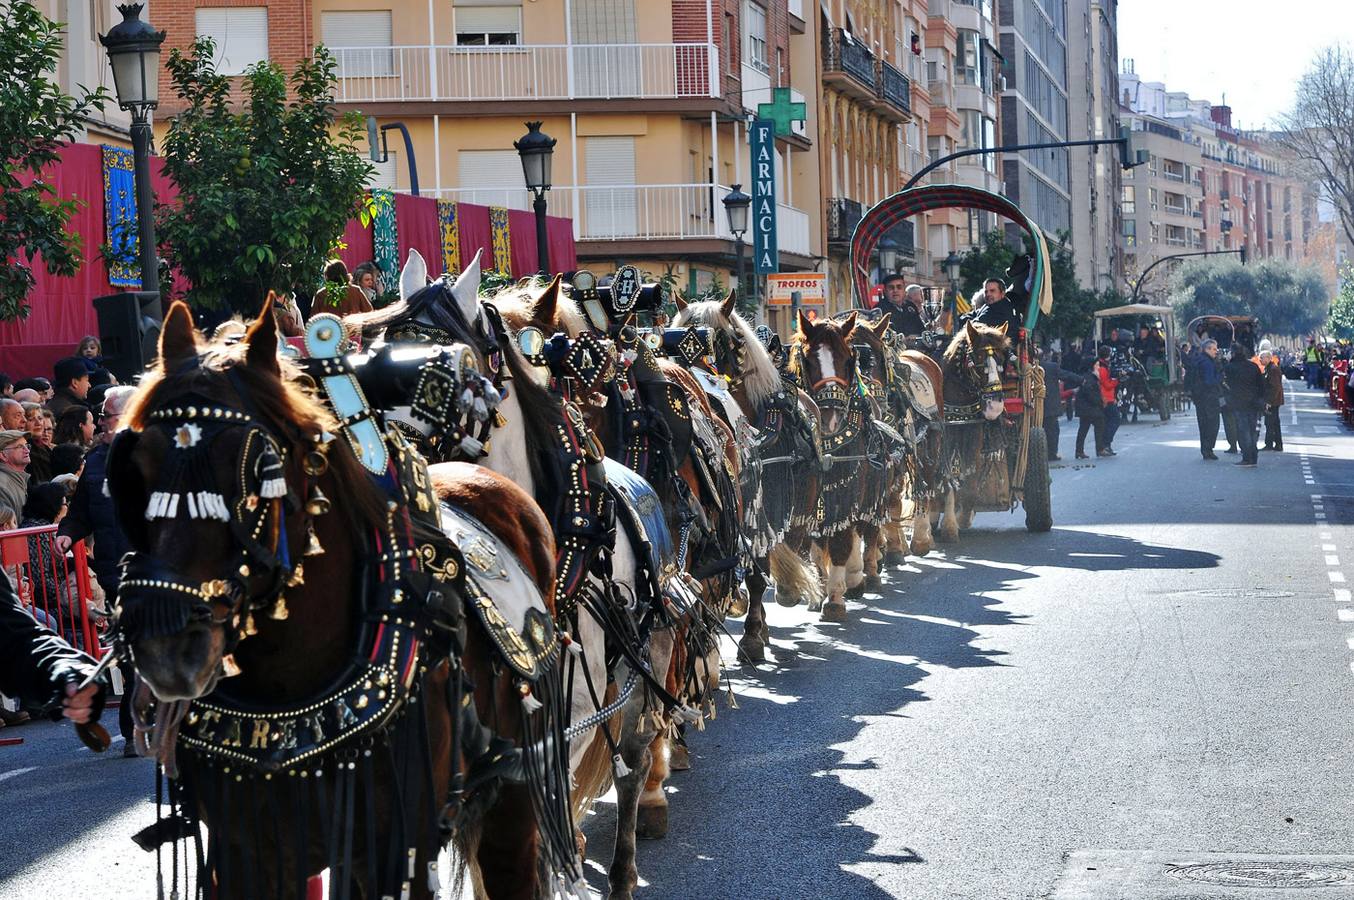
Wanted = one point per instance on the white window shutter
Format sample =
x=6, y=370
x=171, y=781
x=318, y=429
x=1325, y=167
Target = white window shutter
x=240, y=33
x=356, y=38
x=492, y=178
x=611, y=195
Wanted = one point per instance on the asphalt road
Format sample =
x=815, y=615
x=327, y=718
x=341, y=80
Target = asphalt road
x=1169, y=671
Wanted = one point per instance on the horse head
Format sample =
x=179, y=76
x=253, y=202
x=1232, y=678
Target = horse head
x=218, y=481
x=827, y=366
x=973, y=364
x=738, y=353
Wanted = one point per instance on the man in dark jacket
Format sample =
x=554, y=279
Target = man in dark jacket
x=37, y=666
x=1273, y=400
x=997, y=309
x=1054, y=378
x=71, y=383
x=1245, y=389
x=1204, y=379
x=902, y=303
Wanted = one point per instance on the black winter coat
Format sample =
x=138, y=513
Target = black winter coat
x=35, y=664
x=1244, y=385
x=91, y=513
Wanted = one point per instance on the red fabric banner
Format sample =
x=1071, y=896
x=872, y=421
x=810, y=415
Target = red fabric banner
x=416, y=228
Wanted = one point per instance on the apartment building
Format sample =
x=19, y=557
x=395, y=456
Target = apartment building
x=1093, y=114
x=1033, y=41
x=84, y=65
x=647, y=99
x=1243, y=192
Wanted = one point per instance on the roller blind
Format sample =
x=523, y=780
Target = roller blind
x=610, y=208
x=492, y=178
x=240, y=33
x=357, y=39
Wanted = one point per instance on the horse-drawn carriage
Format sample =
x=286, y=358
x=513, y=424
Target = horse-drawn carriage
x=996, y=453
x=1150, y=376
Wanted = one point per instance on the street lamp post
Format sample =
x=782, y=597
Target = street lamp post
x=736, y=205
x=951, y=266
x=134, y=52
x=888, y=256
x=536, y=148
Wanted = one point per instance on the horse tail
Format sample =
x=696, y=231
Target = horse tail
x=592, y=778
x=794, y=577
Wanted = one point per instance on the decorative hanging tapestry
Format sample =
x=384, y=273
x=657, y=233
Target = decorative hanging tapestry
x=384, y=242
x=119, y=217
x=500, y=239
x=451, y=236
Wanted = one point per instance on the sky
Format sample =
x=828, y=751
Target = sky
x=1253, y=51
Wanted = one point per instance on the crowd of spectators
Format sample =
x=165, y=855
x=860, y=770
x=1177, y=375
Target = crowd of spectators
x=54, y=440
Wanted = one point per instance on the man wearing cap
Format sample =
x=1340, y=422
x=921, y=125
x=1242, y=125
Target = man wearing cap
x=902, y=304
x=72, y=385
x=14, y=461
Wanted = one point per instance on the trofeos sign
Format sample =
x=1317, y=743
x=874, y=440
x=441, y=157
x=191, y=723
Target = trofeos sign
x=812, y=288
x=765, y=254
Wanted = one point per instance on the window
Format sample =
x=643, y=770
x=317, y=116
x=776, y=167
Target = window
x=360, y=42
x=730, y=58
x=754, y=37
x=966, y=54
x=491, y=178
x=488, y=26
x=611, y=207
x=1130, y=205
x=240, y=34
x=1130, y=233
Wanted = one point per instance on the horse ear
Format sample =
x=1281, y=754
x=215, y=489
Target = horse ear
x=1004, y=327
x=262, y=339
x=679, y=299
x=178, y=340
x=848, y=325
x=806, y=326
x=727, y=307
x=414, y=275
x=466, y=290
x=971, y=332
x=881, y=327
x=546, y=304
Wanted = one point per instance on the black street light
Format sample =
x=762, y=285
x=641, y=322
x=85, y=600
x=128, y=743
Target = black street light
x=134, y=52
x=536, y=148
x=736, y=205
x=888, y=256
x=951, y=265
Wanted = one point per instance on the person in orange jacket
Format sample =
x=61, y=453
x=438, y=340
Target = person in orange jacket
x=1109, y=396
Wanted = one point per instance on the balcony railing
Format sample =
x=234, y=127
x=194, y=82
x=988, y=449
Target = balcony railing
x=642, y=212
x=1173, y=176
x=843, y=53
x=843, y=215
x=895, y=88
x=530, y=72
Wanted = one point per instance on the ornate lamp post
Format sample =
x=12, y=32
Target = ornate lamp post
x=536, y=148
x=951, y=266
x=736, y=205
x=888, y=256
x=134, y=52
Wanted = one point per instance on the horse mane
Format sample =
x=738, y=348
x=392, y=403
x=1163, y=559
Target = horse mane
x=762, y=381
x=986, y=335
x=292, y=414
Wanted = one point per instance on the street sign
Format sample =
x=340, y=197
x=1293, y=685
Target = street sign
x=812, y=288
x=765, y=254
x=783, y=111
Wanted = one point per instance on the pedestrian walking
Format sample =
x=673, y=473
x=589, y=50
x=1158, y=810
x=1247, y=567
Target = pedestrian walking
x=1273, y=400
x=1090, y=409
x=1244, y=387
x=1311, y=364
x=1109, y=395
x=1204, y=381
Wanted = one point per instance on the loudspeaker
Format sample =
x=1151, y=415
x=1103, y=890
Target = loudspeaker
x=129, y=330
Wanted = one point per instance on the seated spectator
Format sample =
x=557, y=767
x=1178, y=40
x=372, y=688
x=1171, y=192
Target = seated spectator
x=41, y=386
x=368, y=279
x=11, y=414
x=28, y=395
x=67, y=459
x=40, y=447
x=339, y=295
x=13, y=469
x=6, y=385
x=72, y=384
x=75, y=426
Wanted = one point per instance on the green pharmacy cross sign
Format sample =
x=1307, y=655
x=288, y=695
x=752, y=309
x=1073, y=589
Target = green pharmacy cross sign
x=782, y=110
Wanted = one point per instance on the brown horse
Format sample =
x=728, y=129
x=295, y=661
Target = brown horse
x=973, y=410
x=258, y=601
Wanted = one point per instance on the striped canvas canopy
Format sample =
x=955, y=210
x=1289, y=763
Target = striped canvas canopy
x=884, y=215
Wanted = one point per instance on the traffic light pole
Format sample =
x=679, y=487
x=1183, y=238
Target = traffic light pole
x=1016, y=148
x=1137, y=287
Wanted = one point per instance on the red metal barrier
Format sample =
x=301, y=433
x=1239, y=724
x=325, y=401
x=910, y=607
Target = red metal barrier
x=55, y=585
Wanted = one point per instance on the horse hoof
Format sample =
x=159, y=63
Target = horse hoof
x=679, y=758
x=738, y=604
x=895, y=559
x=651, y=823
x=834, y=611
x=874, y=583
x=855, y=593
x=753, y=649
x=921, y=548
x=947, y=538
x=787, y=599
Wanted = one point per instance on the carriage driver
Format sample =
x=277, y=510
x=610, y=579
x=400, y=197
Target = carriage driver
x=902, y=305
x=997, y=308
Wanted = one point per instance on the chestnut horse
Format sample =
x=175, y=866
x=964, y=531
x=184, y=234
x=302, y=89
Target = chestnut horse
x=222, y=594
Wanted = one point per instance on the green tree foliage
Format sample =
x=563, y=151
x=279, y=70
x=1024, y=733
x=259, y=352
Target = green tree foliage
x=36, y=118
x=265, y=191
x=1340, y=324
x=1073, y=305
x=1288, y=299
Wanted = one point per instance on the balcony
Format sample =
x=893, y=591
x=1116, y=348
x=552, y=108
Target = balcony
x=535, y=72
x=843, y=215
x=895, y=90
x=643, y=212
x=848, y=64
